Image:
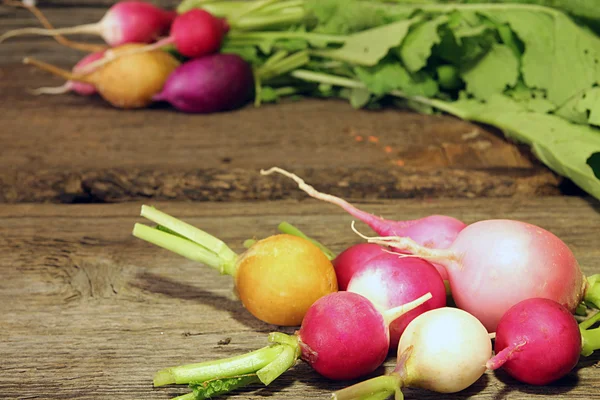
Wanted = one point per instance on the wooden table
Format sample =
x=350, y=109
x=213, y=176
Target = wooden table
x=89, y=312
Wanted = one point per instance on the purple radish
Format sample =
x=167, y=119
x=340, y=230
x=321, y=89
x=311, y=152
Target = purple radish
x=389, y=281
x=352, y=259
x=213, y=83
x=81, y=88
x=434, y=231
x=538, y=341
x=125, y=22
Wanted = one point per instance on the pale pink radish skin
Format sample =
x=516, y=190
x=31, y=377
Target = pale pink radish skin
x=344, y=336
x=125, y=22
x=81, y=88
x=443, y=350
x=434, y=231
x=389, y=281
x=352, y=259
x=537, y=342
x=494, y=264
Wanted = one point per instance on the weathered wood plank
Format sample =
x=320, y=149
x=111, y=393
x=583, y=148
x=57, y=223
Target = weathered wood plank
x=88, y=312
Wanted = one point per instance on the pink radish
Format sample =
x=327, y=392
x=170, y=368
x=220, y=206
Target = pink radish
x=125, y=22
x=435, y=231
x=84, y=89
x=343, y=336
x=494, y=264
x=443, y=350
x=389, y=281
x=539, y=341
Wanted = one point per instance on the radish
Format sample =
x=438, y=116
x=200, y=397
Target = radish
x=389, y=281
x=84, y=89
x=125, y=22
x=217, y=82
x=443, y=350
x=343, y=336
x=494, y=264
x=435, y=231
x=129, y=82
x=194, y=34
x=539, y=341
x=349, y=261
x=277, y=278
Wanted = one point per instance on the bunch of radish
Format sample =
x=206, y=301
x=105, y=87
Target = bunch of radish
x=138, y=66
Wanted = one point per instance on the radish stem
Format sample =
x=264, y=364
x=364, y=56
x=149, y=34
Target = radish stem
x=590, y=338
x=286, y=227
x=377, y=386
x=186, y=240
x=592, y=294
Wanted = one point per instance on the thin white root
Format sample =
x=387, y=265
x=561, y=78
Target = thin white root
x=51, y=90
x=492, y=335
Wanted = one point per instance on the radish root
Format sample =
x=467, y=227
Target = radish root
x=30, y=5
x=405, y=243
x=51, y=90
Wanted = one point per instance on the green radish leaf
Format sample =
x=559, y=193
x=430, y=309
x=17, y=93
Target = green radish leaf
x=391, y=76
x=416, y=47
x=496, y=71
x=370, y=46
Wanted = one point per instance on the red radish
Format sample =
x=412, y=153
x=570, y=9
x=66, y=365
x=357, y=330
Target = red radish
x=217, y=82
x=129, y=82
x=434, y=231
x=539, y=341
x=343, y=336
x=389, y=281
x=443, y=350
x=195, y=33
x=494, y=264
x=352, y=259
x=84, y=89
x=125, y=22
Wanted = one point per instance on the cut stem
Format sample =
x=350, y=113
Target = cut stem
x=392, y=314
x=590, y=338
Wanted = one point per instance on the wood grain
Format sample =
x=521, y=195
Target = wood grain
x=89, y=312
x=68, y=149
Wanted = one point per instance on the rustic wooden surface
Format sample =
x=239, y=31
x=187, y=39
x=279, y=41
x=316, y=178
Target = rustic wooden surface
x=68, y=149
x=89, y=312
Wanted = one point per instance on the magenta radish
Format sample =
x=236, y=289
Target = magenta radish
x=213, y=83
x=125, y=22
x=81, y=88
x=538, y=341
x=443, y=350
x=494, y=264
x=434, y=231
x=389, y=281
x=343, y=336
x=352, y=259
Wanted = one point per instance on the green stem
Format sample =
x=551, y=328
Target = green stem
x=335, y=80
x=286, y=227
x=309, y=36
x=250, y=8
x=291, y=16
x=188, y=396
x=387, y=384
x=592, y=294
x=590, y=338
x=229, y=367
x=283, y=66
x=186, y=240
